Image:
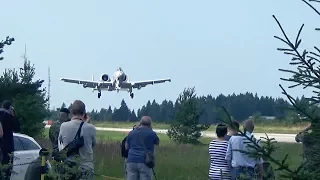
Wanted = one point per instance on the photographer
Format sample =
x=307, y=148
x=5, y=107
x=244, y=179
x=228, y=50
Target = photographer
x=68, y=131
x=140, y=142
x=9, y=125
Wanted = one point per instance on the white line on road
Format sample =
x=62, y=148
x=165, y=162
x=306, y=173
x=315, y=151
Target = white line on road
x=289, y=138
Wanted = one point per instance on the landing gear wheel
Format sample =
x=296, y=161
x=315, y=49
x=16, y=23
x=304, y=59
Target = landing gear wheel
x=131, y=95
x=99, y=95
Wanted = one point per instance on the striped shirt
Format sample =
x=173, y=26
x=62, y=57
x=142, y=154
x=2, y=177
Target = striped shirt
x=218, y=164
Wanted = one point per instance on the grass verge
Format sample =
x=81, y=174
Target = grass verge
x=178, y=162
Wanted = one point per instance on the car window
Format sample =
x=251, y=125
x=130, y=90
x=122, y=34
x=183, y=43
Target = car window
x=17, y=144
x=28, y=144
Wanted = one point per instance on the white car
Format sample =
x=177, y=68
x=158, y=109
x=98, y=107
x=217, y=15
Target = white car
x=26, y=151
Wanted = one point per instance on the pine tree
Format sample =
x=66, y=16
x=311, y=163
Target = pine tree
x=8, y=42
x=63, y=105
x=29, y=99
x=186, y=127
x=307, y=75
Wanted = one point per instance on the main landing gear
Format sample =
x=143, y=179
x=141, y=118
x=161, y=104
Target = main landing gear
x=99, y=95
x=131, y=95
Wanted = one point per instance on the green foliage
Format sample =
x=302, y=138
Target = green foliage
x=123, y=113
x=63, y=106
x=186, y=128
x=31, y=111
x=8, y=42
x=307, y=75
x=62, y=171
x=165, y=111
x=27, y=96
x=174, y=161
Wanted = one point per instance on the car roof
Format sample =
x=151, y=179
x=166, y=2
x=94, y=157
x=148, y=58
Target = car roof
x=27, y=137
x=22, y=135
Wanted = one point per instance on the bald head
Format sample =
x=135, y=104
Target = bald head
x=145, y=121
x=248, y=125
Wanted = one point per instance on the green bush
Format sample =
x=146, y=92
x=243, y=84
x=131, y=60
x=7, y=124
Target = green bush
x=186, y=128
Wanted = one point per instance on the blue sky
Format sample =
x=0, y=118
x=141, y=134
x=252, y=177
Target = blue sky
x=217, y=46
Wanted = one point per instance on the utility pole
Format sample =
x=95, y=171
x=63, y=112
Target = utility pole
x=49, y=82
x=25, y=52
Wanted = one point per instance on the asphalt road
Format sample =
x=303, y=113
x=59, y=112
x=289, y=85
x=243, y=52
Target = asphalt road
x=289, y=138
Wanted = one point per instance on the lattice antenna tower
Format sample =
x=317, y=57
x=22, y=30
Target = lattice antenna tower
x=24, y=56
x=49, y=86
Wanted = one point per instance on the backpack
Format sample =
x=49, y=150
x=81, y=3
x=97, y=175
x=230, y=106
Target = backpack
x=124, y=152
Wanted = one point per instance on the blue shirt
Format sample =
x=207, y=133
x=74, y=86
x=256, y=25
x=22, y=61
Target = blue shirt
x=135, y=138
x=238, y=158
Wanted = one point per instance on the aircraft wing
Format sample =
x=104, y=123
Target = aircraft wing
x=89, y=84
x=140, y=84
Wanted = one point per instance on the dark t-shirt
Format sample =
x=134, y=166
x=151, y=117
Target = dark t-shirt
x=136, y=149
x=7, y=121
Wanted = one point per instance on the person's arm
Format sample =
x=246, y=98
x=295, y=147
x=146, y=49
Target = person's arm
x=60, y=133
x=259, y=163
x=156, y=140
x=15, y=124
x=1, y=130
x=127, y=143
x=260, y=168
x=307, y=128
x=229, y=154
x=94, y=133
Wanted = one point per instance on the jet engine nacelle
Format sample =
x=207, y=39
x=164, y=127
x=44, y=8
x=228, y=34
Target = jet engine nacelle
x=105, y=77
x=123, y=77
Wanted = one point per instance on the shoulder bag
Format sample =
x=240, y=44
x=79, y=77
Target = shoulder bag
x=149, y=159
x=73, y=147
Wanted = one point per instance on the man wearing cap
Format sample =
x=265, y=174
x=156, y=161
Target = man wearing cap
x=55, y=129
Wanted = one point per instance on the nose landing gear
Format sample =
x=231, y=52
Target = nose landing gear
x=99, y=95
x=131, y=95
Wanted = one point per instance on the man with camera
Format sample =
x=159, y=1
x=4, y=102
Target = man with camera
x=79, y=138
x=9, y=125
x=140, y=143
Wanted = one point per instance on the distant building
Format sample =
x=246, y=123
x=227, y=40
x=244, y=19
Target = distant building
x=265, y=117
x=268, y=117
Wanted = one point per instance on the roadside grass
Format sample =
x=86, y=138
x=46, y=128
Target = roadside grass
x=260, y=127
x=115, y=136
x=173, y=161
